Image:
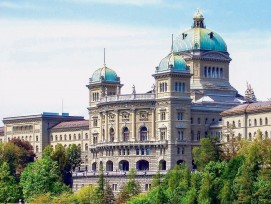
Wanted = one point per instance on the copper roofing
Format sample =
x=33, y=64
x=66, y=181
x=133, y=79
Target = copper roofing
x=72, y=124
x=245, y=108
x=1, y=131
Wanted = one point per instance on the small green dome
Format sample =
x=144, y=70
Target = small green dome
x=172, y=62
x=104, y=74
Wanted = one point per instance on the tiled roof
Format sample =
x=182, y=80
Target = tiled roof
x=1, y=131
x=246, y=108
x=72, y=124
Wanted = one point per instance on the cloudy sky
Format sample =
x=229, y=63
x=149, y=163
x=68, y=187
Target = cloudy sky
x=49, y=49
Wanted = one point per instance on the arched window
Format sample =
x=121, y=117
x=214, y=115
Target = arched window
x=26, y=137
x=109, y=166
x=65, y=137
x=261, y=121
x=162, y=165
x=103, y=135
x=142, y=165
x=266, y=134
x=37, y=138
x=239, y=123
x=37, y=149
x=94, y=166
x=79, y=136
x=56, y=138
x=30, y=138
x=221, y=73
x=205, y=71
x=266, y=121
x=233, y=124
x=213, y=72
x=217, y=72
x=206, y=120
x=60, y=137
x=124, y=165
x=249, y=122
x=126, y=133
x=86, y=147
x=249, y=136
x=198, y=135
x=228, y=124
x=70, y=137
x=86, y=136
x=52, y=138
x=255, y=122
x=112, y=134
x=183, y=87
x=143, y=134
x=209, y=72
x=22, y=137
x=74, y=136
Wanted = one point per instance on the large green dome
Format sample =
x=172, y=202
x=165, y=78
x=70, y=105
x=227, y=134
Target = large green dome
x=104, y=74
x=172, y=62
x=199, y=38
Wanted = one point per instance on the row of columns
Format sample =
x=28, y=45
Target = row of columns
x=117, y=123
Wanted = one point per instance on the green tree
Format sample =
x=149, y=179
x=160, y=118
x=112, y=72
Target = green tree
x=10, y=191
x=108, y=193
x=59, y=155
x=129, y=189
x=73, y=154
x=86, y=195
x=41, y=176
x=206, y=152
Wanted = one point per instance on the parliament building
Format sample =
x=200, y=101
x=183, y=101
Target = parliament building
x=191, y=98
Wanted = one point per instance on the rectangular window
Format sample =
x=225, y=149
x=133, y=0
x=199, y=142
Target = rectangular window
x=162, y=134
x=178, y=150
x=163, y=115
x=148, y=151
x=179, y=116
x=95, y=122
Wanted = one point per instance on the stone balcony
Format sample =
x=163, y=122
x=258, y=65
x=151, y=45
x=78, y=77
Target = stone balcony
x=128, y=144
x=128, y=97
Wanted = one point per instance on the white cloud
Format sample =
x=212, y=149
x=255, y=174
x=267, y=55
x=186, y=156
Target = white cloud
x=13, y=5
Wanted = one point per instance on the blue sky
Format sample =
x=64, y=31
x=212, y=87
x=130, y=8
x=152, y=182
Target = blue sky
x=49, y=49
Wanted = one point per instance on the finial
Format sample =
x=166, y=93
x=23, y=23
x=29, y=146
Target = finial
x=104, y=56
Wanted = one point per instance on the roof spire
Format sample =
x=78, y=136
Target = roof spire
x=172, y=43
x=104, y=57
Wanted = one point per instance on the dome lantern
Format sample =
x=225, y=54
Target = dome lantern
x=198, y=20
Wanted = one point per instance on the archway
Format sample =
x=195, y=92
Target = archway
x=180, y=162
x=142, y=165
x=124, y=165
x=109, y=166
x=163, y=165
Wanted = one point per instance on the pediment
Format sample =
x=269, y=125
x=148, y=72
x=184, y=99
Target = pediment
x=215, y=55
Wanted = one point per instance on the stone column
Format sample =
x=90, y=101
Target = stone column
x=106, y=127
x=133, y=124
x=153, y=125
x=117, y=126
